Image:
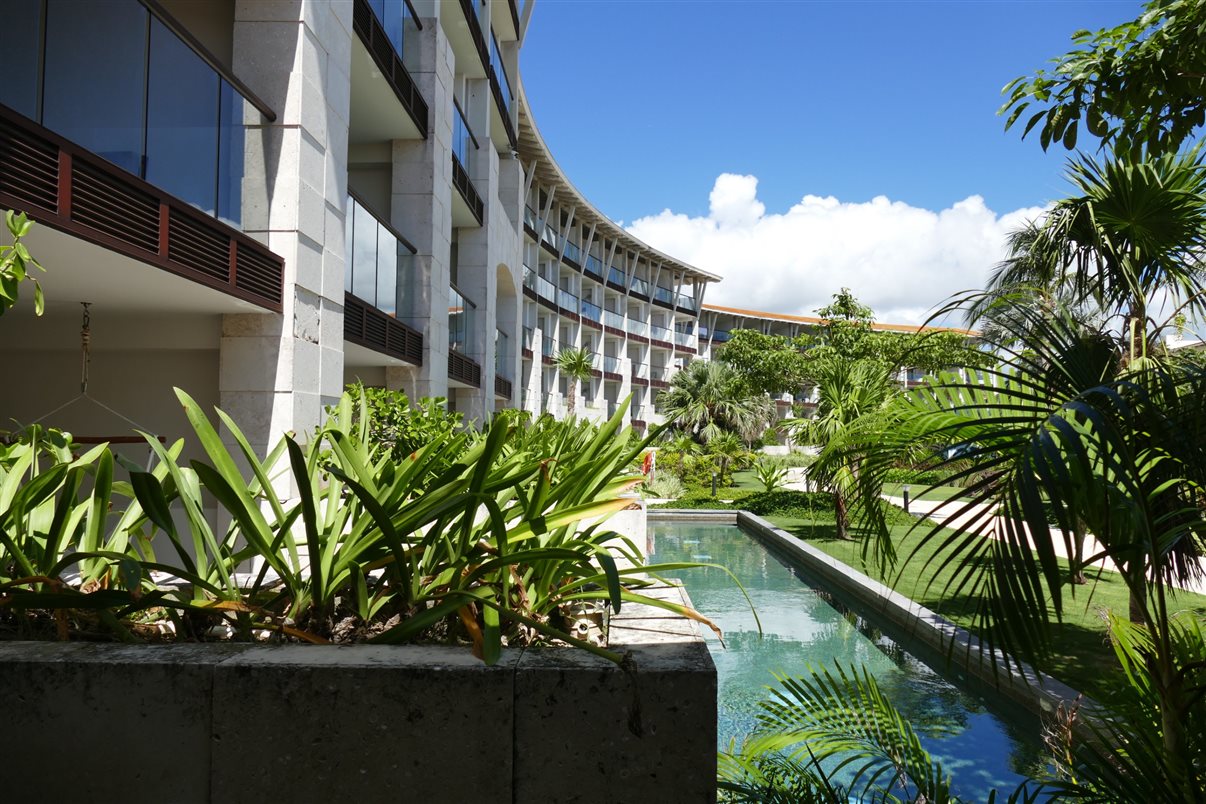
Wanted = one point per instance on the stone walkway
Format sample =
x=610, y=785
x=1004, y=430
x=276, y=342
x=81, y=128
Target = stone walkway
x=954, y=514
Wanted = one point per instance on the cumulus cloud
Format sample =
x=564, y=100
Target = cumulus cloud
x=899, y=259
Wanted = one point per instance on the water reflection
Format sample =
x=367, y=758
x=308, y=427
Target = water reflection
x=979, y=748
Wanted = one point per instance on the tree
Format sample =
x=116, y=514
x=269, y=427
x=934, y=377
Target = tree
x=851, y=395
x=576, y=365
x=1138, y=86
x=707, y=398
x=769, y=364
x=1060, y=444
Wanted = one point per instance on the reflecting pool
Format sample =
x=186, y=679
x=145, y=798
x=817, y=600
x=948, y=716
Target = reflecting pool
x=979, y=748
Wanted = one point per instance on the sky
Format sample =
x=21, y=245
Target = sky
x=797, y=147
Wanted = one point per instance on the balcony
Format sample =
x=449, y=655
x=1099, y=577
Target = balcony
x=685, y=302
x=663, y=296
x=504, y=97
x=137, y=144
x=529, y=338
x=637, y=329
x=548, y=350
x=640, y=288
x=613, y=323
x=683, y=342
x=378, y=279
x=659, y=376
x=592, y=314
x=639, y=375
x=594, y=267
x=464, y=148
x=537, y=287
x=660, y=336
x=611, y=369
x=502, y=365
x=387, y=30
x=617, y=280
x=572, y=253
x=568, y=303
x=461, y=321
x=529, y=220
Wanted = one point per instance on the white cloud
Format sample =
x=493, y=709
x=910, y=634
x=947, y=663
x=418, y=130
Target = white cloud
x=898, y=259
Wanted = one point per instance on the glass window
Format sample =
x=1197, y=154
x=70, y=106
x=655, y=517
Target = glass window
x=349, y=228
x=95, y=83
x=19, y=56
x=182, y=114
x=231, y=155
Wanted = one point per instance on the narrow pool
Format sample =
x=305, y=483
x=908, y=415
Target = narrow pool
x=981, y=748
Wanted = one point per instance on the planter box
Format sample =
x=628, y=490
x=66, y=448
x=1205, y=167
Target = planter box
x=222, y=723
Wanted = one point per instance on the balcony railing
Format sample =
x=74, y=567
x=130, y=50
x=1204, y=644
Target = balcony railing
x=529, y=217
x=547, y=347
x=721, y=335
x=69, y=188
x=637, y=328
x=613, y=320
x=573, y=252
x=538, y=284
x=460, y=321
x=378, y=263
x=639, y=372
x=367, y=326
x=659, y=373
x=464, y=147
x=617, y=277
x=594, y=267
x=567, y=301
x=500, y=73
x=550, y=236
x=660, y=334
x=611, y=365
x=385, y=27
x=683, y=338
x=640, y=286
x=502, y=355
x=663, y=295
x=685, y=302
x=591, y=311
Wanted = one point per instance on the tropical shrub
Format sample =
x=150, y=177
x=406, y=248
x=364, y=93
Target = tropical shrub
x=373, y=548
x=665, y=486
x=771, y=473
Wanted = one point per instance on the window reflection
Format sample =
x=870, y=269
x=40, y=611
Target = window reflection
x=19, y=56
x=95, y=90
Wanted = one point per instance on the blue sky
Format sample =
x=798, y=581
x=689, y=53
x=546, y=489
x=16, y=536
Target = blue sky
x=799, y=147
x=645, y=103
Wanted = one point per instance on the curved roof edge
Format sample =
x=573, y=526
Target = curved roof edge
x=741, y=312
x=532, y=148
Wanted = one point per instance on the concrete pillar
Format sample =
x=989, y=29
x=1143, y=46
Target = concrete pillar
x=422, y=205
x=277, y=371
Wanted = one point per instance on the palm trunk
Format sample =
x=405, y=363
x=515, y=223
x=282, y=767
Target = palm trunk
x=571, y=389
x=843, y=518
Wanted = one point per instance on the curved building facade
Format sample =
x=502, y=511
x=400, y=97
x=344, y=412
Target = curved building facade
x=262, y=202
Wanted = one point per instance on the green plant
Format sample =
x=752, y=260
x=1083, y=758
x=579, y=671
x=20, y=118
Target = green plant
x=771, y=472
x=827, y=725
x=16, y=264
x=666, y=486
x=707, y=398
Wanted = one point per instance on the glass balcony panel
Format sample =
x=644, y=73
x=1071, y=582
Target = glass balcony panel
x=591, y=311
x=616, y=276
x=95, y=77
x=502, y=354
x=19, y=56
x=462, y=138
x=231, y=154
x=660, y=333
x=387, y=271
x=567, y=300
x=638, y=328
x=182, y=140
x=611, y=364
x=364, y=256
x=500, y=71
x=529, y=336
x=529, y=216
x=664, y=294
x=613, y=319
x=546, y=289
x=594, y=266
x=546, y=346
x=460, y=321
x=573, y=251
x=640, y=286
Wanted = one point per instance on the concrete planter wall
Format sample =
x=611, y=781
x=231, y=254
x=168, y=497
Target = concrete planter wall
x=230, y=723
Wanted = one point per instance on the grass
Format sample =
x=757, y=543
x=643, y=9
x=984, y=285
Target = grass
x=745, y=479
x=922, y=492
x=1080, y=654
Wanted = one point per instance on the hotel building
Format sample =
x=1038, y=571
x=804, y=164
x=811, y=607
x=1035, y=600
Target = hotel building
x=261, y=202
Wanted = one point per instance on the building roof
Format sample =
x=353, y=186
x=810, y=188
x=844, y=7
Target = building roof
x=533, y=150
x=807, y=319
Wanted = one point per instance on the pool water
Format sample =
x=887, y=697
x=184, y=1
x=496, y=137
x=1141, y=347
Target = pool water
x=979, y=748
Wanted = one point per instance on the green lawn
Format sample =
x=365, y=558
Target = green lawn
x=1081, y=656
x=916, y=491
x=746, y=479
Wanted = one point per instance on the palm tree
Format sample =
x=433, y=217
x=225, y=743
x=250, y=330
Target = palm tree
x=851, y=394
x=576, y=365
x=1064, y=430
x=707, y=398
x=727, y=450
x=1133, y=233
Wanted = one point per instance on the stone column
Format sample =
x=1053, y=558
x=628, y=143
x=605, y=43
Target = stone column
x=422, y=206
x=277, y=371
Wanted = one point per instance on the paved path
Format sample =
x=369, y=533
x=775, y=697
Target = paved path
x=954, y=514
